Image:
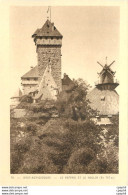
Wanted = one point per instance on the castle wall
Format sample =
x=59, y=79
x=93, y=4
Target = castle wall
x=50, y=54
x=28, y=88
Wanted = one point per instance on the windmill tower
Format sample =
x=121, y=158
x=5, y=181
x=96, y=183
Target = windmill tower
x=106, y=77
x=104, y=98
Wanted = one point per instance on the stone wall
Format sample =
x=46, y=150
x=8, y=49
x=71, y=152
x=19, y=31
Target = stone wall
x=28, y=88
x=50, y=55
x=102, y=121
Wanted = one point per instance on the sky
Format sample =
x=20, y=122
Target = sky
x=90, y=33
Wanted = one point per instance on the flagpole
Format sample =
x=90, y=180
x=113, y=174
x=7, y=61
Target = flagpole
x=50, y=13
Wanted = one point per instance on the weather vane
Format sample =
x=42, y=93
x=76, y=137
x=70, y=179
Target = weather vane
x=49, y=11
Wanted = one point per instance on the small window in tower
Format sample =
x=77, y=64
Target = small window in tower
x=51, y=37
x=28, y=79
x=98, y=119
x=102, y=98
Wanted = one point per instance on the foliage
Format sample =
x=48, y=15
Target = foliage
x=57, y=144
x=26, y=98
x=71, y=143
x=25, y=102
x=74, y=104
x=113, y=131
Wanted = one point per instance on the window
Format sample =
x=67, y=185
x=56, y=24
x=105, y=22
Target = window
x=98, y=119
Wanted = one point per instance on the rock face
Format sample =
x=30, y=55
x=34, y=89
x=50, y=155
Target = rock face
x=47, y=88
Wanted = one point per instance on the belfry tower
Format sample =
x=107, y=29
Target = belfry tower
x=48, y=41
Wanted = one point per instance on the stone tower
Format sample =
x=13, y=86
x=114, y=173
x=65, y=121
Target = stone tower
x=48, y=41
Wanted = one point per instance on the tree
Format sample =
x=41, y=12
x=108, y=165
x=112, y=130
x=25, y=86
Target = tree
x=75, y=105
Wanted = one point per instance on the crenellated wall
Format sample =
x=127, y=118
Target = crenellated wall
x=48, y=41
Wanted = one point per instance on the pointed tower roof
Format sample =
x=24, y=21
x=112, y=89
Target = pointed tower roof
x=48, y=30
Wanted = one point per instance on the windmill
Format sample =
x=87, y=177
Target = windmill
x=104, y=97
x=106, y=76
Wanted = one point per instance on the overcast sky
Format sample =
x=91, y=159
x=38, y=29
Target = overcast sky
x=89, y=35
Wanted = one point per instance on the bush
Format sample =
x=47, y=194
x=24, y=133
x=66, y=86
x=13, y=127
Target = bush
x=80, y=160
x=74, y=104
x=26, y=98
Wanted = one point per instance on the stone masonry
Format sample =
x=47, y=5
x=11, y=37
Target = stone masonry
x=50, y=54
x=48, y=41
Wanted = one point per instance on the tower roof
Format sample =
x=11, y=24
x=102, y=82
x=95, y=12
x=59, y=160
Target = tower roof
x=33, y=73
x=104, y=101
x=48, y=30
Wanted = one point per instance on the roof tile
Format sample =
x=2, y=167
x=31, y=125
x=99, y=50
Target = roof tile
x=32, y=73
x=48, y=30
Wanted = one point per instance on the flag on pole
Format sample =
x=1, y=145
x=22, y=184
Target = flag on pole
x=48, y=9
